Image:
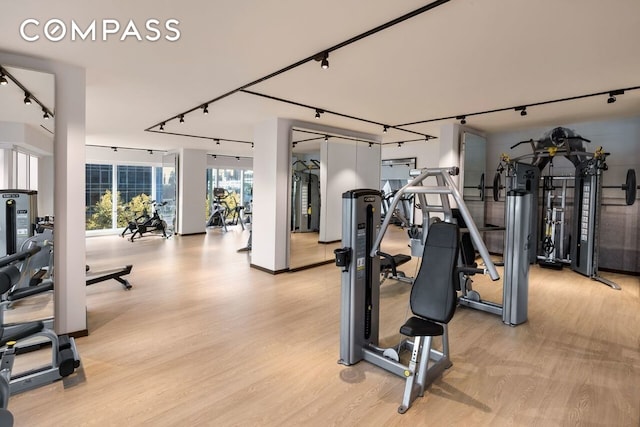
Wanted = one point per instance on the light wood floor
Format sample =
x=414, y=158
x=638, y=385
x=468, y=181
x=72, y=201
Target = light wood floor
x=202, y=339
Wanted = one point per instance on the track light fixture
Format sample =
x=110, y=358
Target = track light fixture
x=522, y=109
x=385, y=128
x=370, y=144
x=294, y=144
x=181, y=118
x=252, y=145
x=399, y=144
x=217, y=141
x=463, y=119
x=323, y=59
x=237, y=158
x=3, y=79
x=150, y=151
x=115, y=149
x=318, y=112
x=326, y=138
x=46, y=114
x=27, y=98
x=205, y=109
x=215, y=157
x=612, y=95
x=162, y=127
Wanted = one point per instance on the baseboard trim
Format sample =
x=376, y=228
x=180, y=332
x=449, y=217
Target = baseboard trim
x=266, y=270
x=306, y=267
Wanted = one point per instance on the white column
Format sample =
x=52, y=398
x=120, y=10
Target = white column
x=271, y=205
x=192, y=166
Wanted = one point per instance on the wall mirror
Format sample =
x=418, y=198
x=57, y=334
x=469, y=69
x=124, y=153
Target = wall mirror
x=27, y=114
x=394, y=174
x=473, y=159
x=170, y=191
x=323, y=166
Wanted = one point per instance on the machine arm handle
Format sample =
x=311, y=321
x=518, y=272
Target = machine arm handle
x=20, y=256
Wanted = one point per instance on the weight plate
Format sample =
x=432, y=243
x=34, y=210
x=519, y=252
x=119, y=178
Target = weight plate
x=630, y=190
x=481, y=187
x=496, y=187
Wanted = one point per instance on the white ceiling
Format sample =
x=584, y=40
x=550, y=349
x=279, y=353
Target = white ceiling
x=462, y=57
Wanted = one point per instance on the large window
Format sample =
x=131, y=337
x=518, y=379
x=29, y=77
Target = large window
x=110, y=202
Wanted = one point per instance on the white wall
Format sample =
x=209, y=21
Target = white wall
x=344, y=166
x=192, y=191
x=46, y=185
x=69, y=148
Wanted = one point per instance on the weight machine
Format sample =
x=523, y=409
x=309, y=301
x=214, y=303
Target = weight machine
x=18, y=213
x=360, y=295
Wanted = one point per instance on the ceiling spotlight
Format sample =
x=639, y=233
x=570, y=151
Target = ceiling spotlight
x=370, y=144
x=294, y=144
x=385, y=128
x=114, y=148
x=612, y=96
x=3, y=79
x=205, y=109
x=463, y=119
x=27, y=98
x=522, y=109
x=150, y=151
x=181, y=118
x=217, y=141
x=323, y=59
x=45, y=115
x=326, y=138
x=162, y=127
x=318, y=112
x=252, y=145
x=399, y=144
x=238, y=158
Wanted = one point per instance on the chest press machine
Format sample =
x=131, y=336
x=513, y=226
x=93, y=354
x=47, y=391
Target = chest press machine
x=433, y=295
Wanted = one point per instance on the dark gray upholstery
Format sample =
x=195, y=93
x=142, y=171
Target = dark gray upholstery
x=433, y=296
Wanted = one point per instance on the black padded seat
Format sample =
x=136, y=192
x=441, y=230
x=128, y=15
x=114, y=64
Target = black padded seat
x=398, y=260
x=419, y=327
x=18, y=332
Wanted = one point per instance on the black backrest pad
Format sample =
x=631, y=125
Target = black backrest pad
x=433, y=295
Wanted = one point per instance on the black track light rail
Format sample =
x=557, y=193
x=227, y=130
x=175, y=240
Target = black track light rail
x=521, y=107
x=116, y=148
x=335, y=113
x=313, y=57
x=238, y=158
x=200, y=136
x=324, y=135
x=10, y=76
